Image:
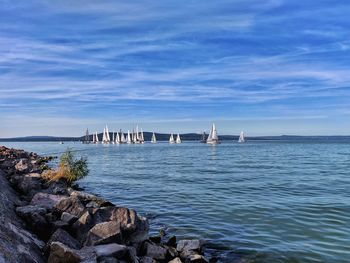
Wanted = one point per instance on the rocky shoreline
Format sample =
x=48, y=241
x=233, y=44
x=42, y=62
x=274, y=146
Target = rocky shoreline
x=44, y=221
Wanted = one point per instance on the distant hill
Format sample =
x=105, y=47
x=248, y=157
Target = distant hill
x=184, y=137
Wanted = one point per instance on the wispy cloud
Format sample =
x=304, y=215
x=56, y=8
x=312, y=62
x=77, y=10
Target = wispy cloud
x=82, y=61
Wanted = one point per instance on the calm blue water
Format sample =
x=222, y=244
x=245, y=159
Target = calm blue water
x=255, y=202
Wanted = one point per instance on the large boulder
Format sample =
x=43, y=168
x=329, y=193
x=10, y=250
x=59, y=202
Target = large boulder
x=134, y=228
x=176, y=260
x=89, y=200
x=111, y=250
x=60, y=253
x=29, y=185
x=34, y=216
x=184, y=245
x=65, y=238
x=23, y=166
x=71, y=205
x=68, y=218
x=45, y=200
x=155, y=251
x=104, y=233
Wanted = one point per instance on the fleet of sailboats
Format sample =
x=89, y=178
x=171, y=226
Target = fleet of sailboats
x=137, y=137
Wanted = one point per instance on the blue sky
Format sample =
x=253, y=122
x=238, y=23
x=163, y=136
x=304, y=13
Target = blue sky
x=266, y=67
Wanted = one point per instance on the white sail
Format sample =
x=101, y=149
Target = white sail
x=153, y=140
x=122, y=138
x=93, y=138
x=142, y=139
x=104, y=138
x=107, y=134
x=213, y=136
x=171, y=139
x=137, y=133
x=117, y=140
x=113, y=138
x=134, y=137
x=241, y=137
x=96, y=138
x=128, y=139
x=178, y=139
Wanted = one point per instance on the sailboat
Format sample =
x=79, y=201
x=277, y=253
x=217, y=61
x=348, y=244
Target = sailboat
x=117, y=139
x=178, y=139
x=104, y=137
x=171, y=139
x=96, y=138
x=213, y=136
x=241, y=138
x=128, y=138
x=113, y=138
x=107, y=135
x=153, y=139
x=142, y=139
x=122, y=137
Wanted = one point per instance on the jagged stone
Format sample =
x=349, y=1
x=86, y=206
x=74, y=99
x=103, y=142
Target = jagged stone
x=111, y=250
x=155, y=251
x=195, y=244
x=104, y=233
x=34, y=216
x=65, y=238
x=70, y=205
x=175, y=260
x=147, y=260
x=46, y=200
x=60, y=253
x=68, y=218
x=171, y=241
x=17, y=245
x=23, y=166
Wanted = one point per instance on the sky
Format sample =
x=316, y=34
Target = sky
x=268, y=67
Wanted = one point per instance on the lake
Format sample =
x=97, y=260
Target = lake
x=261, y=201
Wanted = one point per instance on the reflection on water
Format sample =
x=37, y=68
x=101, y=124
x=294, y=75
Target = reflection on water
x=253, y=202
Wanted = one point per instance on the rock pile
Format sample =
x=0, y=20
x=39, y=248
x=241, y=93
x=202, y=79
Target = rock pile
x=79, y=227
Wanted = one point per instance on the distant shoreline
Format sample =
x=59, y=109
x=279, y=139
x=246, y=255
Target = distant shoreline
x=188, y=137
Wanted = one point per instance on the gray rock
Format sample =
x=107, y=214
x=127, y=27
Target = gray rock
x=46, y=200
x=23, y=166
x=104, y=233
x=17, y=245
x=111, y=250
x=70, y=205
x=134, y=228
x=175, y=260
x=65, y=238
x=83, y=225
x=87, y=198
x=29, y=185
x=147, y=260
x=108, y=260
x=189, y=245
x=155, y=251
x=171, y=241
x=34, y=216
x=68, y=218
x=196, y=259
x=60, y=253
x=132, y=255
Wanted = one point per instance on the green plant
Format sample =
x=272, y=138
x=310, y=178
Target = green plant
x=69, y=168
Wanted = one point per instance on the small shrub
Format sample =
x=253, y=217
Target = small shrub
x=69, y=169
